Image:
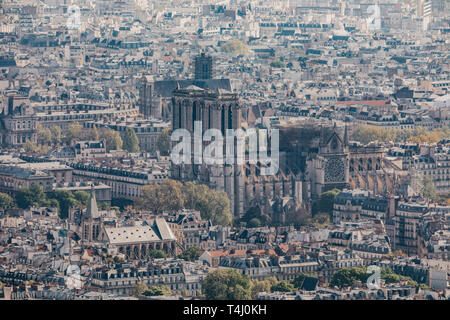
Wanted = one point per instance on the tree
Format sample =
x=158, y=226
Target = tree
x=74, y=131
x=56, y=134
x=390, y=277
x=6, y=201
x=326, y=201
x=346, y=276
x=82, y=197
x=112, y=139
x=139, y=289
x=298, y=281
x=28, y=197
x=320, y=220
x=262, y=286
x=282, y=286
x=157, y=254
x=92, y=134
x=427, y=189
x=191, y=254
x=66, y=200
x=366, y=134
x=254, y=223
x=30, y=146
x=235, y=47
x=163, y=143
x=213, y=205
x=131, y=142
x=44, y=135
x=158, y=291
x=227, y=284
x=256, y=212
x=161, y=197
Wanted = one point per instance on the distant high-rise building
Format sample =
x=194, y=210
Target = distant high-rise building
x=203, y=66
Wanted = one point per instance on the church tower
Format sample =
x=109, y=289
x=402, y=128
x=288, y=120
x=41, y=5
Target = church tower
x=219, y=109
x=147, y=107
x=91, y=220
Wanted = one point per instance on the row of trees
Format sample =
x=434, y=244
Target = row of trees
x=345, y=277
x=366, y=134
x=173, y=195
x=142, y=289
x=63, y=200
x=229, y=284
x=113, y=141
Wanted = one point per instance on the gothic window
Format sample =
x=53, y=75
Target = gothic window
x=334, y=170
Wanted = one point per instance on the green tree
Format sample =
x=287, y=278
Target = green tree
x=326, y=201
x=163, y=143
x=157, y=291
x=262, y=286
x=131, y=141
x=227, y=284
x=51, y=203
x=346, y=276
x=161, y=197
x=82, y=197
x=112, y=139
x=191, y=254
x=256, y=212
x=30, y=146
x=6, y=201
x=92, y=134
x=390, y=276
x=139, y=289
x=254, y=223
x=74, y=132
x=157, y=254
x=298, y=281
x=427, y=189
x=28, y=197
x=44, y=135
x=56, y=134
x=282, y=286
x=212, y=204
x=320, y=220
x=66, y=200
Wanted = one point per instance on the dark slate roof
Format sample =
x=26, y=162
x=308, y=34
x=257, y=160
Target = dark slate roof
x=309, y=284
x=376, y=204
x=165, y=88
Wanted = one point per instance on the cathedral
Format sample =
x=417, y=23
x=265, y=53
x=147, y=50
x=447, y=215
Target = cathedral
x=313, y=157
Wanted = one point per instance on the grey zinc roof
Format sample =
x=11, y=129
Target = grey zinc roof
x=131, y=234
x=164, y=230
x=154, y=230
